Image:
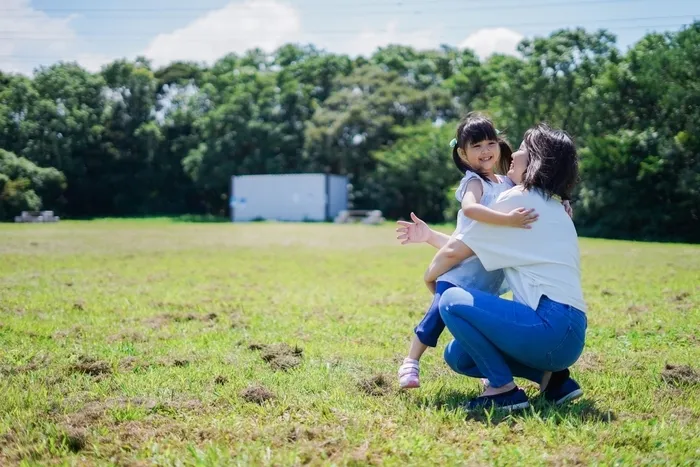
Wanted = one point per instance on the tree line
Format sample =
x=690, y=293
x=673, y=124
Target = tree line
x=132, y=140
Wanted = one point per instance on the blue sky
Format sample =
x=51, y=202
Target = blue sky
x=39, y=32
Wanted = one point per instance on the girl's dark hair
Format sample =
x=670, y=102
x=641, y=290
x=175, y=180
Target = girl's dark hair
x=553, y=165
x=473, y=129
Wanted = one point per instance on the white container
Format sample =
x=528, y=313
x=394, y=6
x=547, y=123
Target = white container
x=288, y=197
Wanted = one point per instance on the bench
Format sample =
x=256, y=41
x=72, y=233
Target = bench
x=357, y=215
x=37, y=216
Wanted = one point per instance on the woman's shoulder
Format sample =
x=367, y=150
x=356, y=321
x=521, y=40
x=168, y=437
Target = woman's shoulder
x=505, y=180
x=516, y=191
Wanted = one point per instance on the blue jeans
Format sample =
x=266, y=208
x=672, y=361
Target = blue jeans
x=497, y=339
x=467, y=275
x=431, y=326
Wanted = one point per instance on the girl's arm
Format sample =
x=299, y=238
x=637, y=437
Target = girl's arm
x=472, y=209
x=451, y=254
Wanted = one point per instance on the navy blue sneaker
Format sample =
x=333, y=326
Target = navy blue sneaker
x=562, y=388
x=515, y=399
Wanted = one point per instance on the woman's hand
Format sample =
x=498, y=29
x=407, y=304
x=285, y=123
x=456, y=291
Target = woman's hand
x=522, y=218
x=413, y=232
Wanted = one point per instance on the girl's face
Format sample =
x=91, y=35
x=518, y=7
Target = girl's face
x=519, y=165
x=482, y=156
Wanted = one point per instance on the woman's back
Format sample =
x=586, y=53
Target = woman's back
x=543, y=260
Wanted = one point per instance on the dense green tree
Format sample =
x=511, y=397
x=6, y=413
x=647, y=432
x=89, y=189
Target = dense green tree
x=24, y=186
x=133, y=140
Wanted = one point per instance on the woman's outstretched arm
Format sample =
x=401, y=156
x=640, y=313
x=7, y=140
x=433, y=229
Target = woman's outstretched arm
x=419, y=232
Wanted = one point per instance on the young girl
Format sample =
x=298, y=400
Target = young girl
x=478, y=152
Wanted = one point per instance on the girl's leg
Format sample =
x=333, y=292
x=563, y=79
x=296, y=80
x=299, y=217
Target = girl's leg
x=426, y=335
x=491, y=329
x=431, y=326
x=415, y=352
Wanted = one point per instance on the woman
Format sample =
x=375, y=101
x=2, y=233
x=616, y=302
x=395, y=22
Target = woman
x=541, y=332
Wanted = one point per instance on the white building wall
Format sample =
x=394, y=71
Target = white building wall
x=290, y=197
x=338, y=195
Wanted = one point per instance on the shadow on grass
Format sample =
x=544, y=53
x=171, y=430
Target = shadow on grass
x=579, y=411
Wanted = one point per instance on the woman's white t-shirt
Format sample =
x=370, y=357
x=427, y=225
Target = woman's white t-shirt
x=543, y=260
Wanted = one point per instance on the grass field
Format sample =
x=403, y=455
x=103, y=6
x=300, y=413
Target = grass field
x=141, y=342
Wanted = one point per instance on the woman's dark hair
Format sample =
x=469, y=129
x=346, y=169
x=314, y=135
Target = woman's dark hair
x=473, y=129
x=553, y=164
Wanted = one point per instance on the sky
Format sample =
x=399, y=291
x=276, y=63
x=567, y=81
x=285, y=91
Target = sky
x=36, y=33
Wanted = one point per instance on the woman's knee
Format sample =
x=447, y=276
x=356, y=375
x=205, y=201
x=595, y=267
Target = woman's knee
x=459, y=360
x=453, y=298
x=453, y=355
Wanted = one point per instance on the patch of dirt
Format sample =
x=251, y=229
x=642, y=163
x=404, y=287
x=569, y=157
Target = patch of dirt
x=75, y=332
x=220, y=380
x=184, y=318
x=79, y=305
x=238, y=321
x=681, y=296
x=680, y=375
x=378, y=385
x=35, y=363
x=96, y=412
x=91, y=366
x=685, y=415
x=285, y=362
x=298, y=433
x=159, y=321
x=607, y=293
x=257, y=395
x=637, y=309
x=127, y=336
x=279, y=356
x=179, y=362
x=567, y=456
x=362, y=456
x=174, y=306
x=74, y=438
x=86, y=416
x=132, y=363
x=589, y=361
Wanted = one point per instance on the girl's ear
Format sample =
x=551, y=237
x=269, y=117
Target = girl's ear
x=460, y=151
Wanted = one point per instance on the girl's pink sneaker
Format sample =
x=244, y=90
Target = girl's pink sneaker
x=408, y=374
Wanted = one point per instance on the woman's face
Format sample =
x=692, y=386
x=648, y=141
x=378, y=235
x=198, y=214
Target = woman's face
x=517, y=169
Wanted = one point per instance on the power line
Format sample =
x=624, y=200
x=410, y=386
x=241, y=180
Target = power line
x=29, y=58
x=559, y=24
x=401, y=5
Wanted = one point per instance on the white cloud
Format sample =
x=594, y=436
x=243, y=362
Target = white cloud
x=237, y=27
x=486, y=42
x=92, y=61
x=367, y=41
x=32, y=38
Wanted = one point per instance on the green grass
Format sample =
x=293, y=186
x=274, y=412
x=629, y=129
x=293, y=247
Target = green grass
x=128, y=341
